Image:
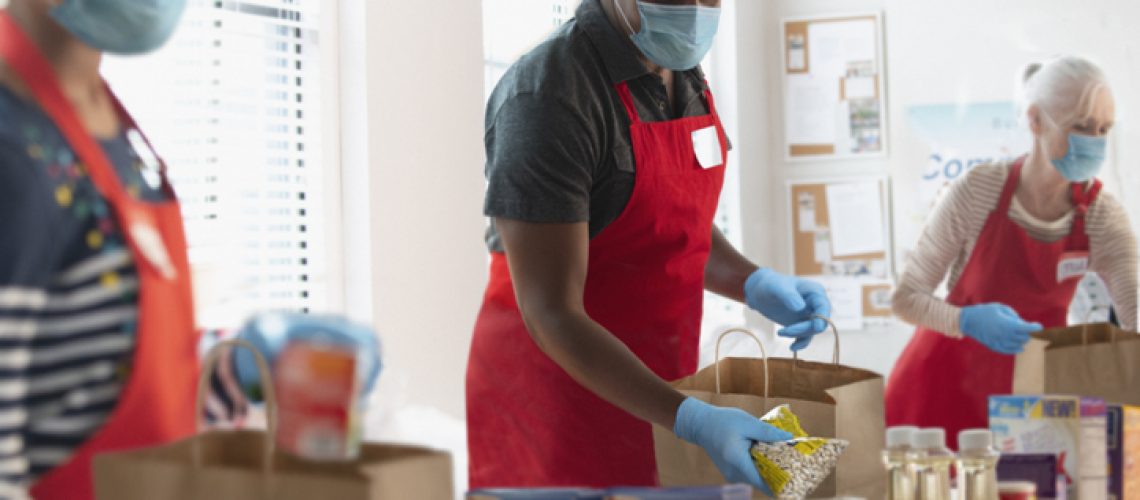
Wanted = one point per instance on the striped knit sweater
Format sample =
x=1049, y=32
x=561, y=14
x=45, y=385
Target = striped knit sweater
x=953, y=228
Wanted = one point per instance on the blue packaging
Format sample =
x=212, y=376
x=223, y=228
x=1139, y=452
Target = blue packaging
x=727, y=492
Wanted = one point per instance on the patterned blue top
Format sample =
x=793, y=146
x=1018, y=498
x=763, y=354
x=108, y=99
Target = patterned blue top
x=68, y=291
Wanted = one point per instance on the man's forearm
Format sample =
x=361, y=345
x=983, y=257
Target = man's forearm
x=727, y=269
x=595, y=358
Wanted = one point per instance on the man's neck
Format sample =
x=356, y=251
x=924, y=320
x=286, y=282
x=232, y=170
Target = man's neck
x=619, y=24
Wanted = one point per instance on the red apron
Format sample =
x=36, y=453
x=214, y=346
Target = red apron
x=528, y=422
x=945, y=382
x=157, y=401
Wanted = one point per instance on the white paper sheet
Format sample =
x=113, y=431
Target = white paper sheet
x=843, y=138
x=810, y=110
x=797, y=59
x=831, y=45
x=822, y=245
x=846, y=296
x=856, y=216
x=859, y=87
x=806, y=206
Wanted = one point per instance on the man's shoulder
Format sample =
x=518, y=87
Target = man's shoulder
x=565, y=68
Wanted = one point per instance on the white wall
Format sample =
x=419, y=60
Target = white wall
x=413, y=107
x=765, y=172
x=973, y=50
x=937, y=52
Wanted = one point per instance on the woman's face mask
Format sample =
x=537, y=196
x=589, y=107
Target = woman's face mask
x=1084, y=158
x=125, y=27
x=1086, y=143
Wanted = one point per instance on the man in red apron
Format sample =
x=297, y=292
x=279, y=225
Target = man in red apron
x=605, y=164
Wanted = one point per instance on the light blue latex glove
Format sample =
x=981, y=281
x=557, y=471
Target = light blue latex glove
x=726, y=434
x=789, y=301
x=996, y=326
x=271, y=332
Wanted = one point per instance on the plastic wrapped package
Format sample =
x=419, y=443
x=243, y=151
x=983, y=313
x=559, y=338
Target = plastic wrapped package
x=795, y=468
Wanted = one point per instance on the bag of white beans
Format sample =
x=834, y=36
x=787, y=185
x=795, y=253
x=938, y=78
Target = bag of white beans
x=795, y=468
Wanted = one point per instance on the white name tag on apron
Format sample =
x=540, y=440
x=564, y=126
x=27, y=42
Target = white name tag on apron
x=150, y=245
x=1072, y=265
x=706, y=144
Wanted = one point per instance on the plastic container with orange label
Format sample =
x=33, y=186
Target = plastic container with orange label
x=318, y=408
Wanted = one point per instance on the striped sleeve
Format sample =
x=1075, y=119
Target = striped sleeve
x=226, y=403
x=25, y=273
x=1113, y=255
x=943, y=249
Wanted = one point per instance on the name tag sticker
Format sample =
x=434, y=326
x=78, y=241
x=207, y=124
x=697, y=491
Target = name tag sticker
x=706, y=145
x=1072, y=265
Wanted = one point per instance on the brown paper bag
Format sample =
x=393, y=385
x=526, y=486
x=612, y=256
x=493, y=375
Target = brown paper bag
x=1098, y=360
x=830, y=399
x=242, y=465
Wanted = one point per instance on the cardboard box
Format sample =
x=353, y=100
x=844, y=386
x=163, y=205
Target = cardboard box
x=1073, y=428
x=1123, y=452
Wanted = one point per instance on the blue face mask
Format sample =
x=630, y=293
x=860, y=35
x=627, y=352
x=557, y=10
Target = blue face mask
x=125, y=27
x=674, y=36
x=1084, y=159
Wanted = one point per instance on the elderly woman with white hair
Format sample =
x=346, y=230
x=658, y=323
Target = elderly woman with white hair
x=1015, y=239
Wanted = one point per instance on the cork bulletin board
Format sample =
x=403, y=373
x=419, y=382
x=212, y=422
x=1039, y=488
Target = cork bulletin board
x=834, y=94
x=846, y=244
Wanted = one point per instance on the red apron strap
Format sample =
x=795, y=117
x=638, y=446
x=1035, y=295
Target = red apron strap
x=24, y=57
x=1010, y=187
x=627, y=100
x=709, y=99
x=1082, y=199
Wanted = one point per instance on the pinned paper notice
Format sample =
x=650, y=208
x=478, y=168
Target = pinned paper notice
x=797, y=56
x=796, y=59
x=822, y=245
x=810, y=108
x=806, y=205
x=855, y=211
x=846, y=296
x=859, y=87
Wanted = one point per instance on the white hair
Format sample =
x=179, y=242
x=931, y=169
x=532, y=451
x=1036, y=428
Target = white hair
x=1063, y=89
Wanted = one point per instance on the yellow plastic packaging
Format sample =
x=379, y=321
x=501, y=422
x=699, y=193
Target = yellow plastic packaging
x=795, y=468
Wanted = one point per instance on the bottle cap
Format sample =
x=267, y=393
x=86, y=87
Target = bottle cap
x=930, y=438
x=902, y=435
x=975, y=439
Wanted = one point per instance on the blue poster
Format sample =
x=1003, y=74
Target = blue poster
x=962, y=136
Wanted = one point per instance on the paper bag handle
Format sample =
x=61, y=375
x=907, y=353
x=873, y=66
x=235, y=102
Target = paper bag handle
x=835, y=333
x=763, y=357
x=208, y=367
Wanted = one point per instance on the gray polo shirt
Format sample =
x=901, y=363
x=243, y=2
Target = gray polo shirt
x=557, y=135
